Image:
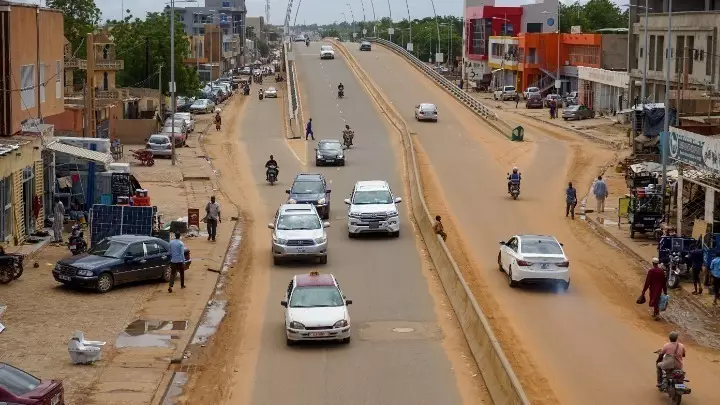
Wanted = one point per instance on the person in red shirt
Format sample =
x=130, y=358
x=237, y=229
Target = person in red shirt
x=657, y=284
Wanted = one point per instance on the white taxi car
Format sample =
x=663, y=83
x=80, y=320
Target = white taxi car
x=316, y=309
x=534, y=259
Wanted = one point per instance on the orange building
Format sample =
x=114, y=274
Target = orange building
x=538, y=57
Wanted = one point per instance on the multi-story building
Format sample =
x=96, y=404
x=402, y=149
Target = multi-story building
x=229, y=16
x=484, y=20
x=258, y=27
x=32, y=49
x=693, y=42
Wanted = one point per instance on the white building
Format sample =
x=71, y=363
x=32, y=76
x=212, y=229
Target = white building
x=602, y=90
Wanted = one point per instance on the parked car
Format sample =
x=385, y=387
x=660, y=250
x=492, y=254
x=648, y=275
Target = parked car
x=505, y=93
x=188, y=118
x=530, y=90
x=365, y=46
x=551, y=97
x=159, y=145
x=179, y=122
x=247, y=70
x=202, y=106
x=271, y=92
x=118, y=260
x=577, y=112
x=18, y=387
x=426, y=112
x=180, y=136
x=534, y=100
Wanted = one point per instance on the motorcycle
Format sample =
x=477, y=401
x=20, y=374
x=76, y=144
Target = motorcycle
x=673, y=384
x=246, y=91
x=260, y=95
x=347, y=141
x=515, y=190
x=341, y=93
x=272, y=173
x=677, y=268
x=11, y=267
x=76, y=242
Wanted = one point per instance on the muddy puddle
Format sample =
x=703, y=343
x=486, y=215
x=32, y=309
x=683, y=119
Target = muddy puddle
x=150, y=333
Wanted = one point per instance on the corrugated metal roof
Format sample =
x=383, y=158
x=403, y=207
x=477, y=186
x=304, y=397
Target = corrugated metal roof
x=99, y=157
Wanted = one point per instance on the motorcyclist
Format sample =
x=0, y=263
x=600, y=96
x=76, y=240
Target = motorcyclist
x=341, y=88
x=514, y=177
x=260, y=93
x=348, y=134
x=672, y=348
x=271, y=162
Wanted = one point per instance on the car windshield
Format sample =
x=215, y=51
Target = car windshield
x=16, y=381
x=316, y=296
x=372, y=197
x=108, y=248
x=326, y=48
x=200, y=103
x=158, y=140
x=533, y=89
x=540, y=247
x=170, y=129
x=572, y=108
x=308, y=187
x=509, y=88
x=271, y=89
x=298, y=222
x=330, y=146
x=182, y=116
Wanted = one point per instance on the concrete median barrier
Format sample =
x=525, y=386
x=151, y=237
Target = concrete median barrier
x=501, y=381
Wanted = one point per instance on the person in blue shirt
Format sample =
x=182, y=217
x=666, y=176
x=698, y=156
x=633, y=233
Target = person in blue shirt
x=715, y=271
x=309, y=131
x=177, y=261
x=570, y=200
x=514, y=178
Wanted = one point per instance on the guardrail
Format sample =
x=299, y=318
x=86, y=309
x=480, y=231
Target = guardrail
x=291, y=83
x=479, y=108
x=500, y=379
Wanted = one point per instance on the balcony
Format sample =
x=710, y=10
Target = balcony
x=76, y=64
x=107, y=94
x=105, y=64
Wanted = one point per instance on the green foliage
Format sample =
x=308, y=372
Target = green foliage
x=131, y=36
x=80, y=18
x=249, y=32
x=593, y=15
x=263, y=48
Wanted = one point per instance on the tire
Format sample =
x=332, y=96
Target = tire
x=500, y=267
x=167, y=273
x=276, y=261
x=317, y=162
x=346, y=341
x=632, y=232
x=566, y=285
x=677, y=399
x=151, y=162
x=565, y=118
x=323, y=260
x=6, y=275
x=512, y=283
x=351, y=235
x=289, y=342
x=395, y=234
x=514, y=197
x=673, y=280
x=105, y=283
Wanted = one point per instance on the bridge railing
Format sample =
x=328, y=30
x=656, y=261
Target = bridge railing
x=291, y=83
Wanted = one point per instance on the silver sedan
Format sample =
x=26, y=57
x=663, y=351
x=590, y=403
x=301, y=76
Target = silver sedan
x=271, y=92
x=426, y=112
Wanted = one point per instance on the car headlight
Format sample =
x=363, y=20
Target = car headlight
x=296, y=325
x=321, y=239
x=354, y=216
x=340, y=324
x=279, y=241
x=340, y=156
x=85, y=273
x=322, y=201
x=392, y=213
x=291, y=201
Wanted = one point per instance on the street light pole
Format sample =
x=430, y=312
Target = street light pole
x=436, y=26
x=172, y=78
x=409, y=22
x=391, y=20
x=666, y=132
x=353, y=18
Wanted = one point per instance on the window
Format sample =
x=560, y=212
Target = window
x=679, y=53
x=27, y=86
x=582, y=55
x=226, y=4
x=136, y=250
x=153, y=248
x=58, y=80
x=651, y=53
x=478, y=37
x=690, y=53
x=710, y=55
x=659, y=53
x=532, y=55
x=534, y=27
x=16, y=381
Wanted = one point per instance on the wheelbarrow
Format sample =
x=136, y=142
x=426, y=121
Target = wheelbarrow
x=144, y=156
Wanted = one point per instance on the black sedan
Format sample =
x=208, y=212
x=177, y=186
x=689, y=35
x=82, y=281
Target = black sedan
x=117, y=260
x=329, y=151
x=365, y=46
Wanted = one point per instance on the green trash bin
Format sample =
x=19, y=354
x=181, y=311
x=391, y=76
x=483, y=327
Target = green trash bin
x=517, y=134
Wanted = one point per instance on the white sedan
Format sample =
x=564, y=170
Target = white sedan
x=316, y=309
x=271, y=92
x=534, y=259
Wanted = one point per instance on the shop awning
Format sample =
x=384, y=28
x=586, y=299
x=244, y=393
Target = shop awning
x=81, y=153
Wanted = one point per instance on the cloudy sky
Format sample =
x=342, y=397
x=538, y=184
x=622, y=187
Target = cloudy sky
x=318, y=11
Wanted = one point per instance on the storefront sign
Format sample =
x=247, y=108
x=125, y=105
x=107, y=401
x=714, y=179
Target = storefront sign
x=194, y=217
x=700, y=151
x=608, y=77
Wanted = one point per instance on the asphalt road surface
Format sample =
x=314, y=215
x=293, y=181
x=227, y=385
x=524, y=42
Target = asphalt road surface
x=590, y=342
x=381, y=275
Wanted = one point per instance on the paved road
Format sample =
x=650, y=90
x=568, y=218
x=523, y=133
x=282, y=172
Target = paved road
x=586, y=340
x=382, y=275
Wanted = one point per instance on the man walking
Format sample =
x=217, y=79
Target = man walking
x=715, y=271
x=600, y=191
x=570, y=200
x=59, y=212
x=177, y=261
x=657, y=284
x=212, y=216
x=696, y=263
x=309, y=131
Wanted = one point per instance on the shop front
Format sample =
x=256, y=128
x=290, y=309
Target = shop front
x=21, y=189
x=602, y=90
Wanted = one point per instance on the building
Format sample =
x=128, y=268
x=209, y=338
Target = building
x=484, y=20
x=229, y=16
x=258, y=27
x=605, y=91
x=694, y=43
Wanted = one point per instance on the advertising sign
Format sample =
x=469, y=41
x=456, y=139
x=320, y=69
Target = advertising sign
x=699, y=151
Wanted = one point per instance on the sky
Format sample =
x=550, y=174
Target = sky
x=311, y=11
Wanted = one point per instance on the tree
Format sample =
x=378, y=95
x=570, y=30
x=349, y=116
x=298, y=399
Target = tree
x=249, y=32
x=132, y=36
x=80, y=18
x=592, y=16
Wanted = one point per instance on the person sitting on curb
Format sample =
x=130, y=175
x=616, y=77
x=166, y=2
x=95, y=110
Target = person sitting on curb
x=438, y=228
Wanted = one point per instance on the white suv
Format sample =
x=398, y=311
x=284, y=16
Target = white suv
x=327, y=52
x=505, y=93
x=373, y=209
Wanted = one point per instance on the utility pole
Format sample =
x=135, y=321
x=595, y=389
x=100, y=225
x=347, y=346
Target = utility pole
x=666, y=129
x=90, y=84
x=172, y=76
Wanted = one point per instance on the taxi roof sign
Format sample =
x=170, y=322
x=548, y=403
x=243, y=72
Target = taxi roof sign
x=314, y=279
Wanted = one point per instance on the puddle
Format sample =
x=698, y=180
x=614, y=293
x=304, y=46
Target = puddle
x=150, y=333
x=214, y=314
x=176, y=388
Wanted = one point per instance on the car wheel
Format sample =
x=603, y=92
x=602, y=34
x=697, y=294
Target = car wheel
x=105, y=283
x=289, y=342
x=351, y=235
x=395, y=234
x=323, y=260
x=346, y=340
x=167, y=273
x=500, y=267
x=342, y=163
x=566, y=285
x=276, y=260
x=565, y=118
x=317, y=162
x=512, y=283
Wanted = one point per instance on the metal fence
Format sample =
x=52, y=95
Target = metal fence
x=293, y=103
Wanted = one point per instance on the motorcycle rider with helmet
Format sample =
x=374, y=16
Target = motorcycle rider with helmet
x=672, y=348
x=514, y=177
x=268, y=164
x=348, y=134
x=341, y=89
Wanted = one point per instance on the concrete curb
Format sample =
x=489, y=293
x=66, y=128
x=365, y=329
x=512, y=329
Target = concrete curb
x=590, y=137
x=500, y=379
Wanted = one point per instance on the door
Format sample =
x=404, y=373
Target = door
x=133, y=268
x=157, y=260
x=509, y=252
x=28, y=190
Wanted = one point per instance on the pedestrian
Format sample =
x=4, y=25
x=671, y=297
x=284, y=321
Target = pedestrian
x=553, y=109
x=218, y=121
x=177, y=261
x=570, y=200
x=439, y=228
x=600, y=191
x=462, y=82
x=657, y=284
x=517, y=99
x=309, y=131
x=59, y=212
x=696, y=263
x=715, y=271
x=212, y=217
